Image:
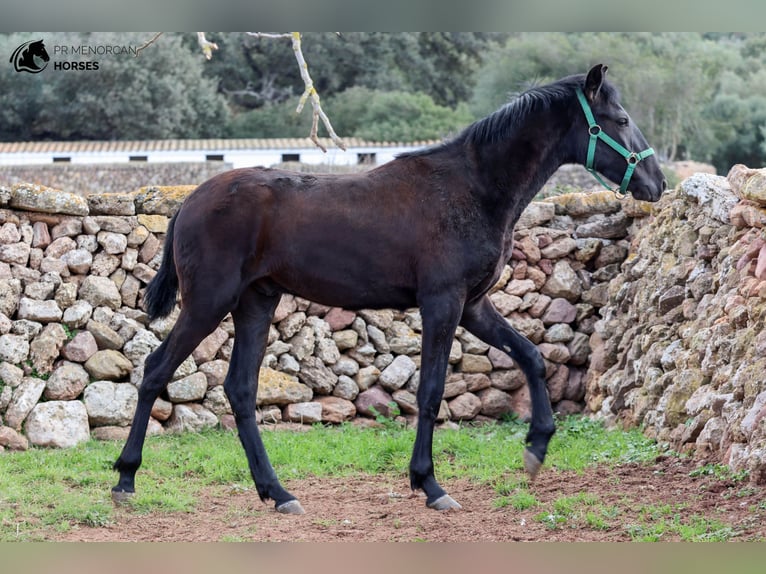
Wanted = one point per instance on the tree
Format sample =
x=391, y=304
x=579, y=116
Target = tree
x=162, y=94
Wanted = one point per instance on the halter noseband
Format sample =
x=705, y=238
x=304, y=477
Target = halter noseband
x=596, y=133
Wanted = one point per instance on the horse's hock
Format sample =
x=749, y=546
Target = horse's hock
x=644, y=314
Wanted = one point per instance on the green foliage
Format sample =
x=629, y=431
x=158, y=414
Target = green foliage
x=393, y=116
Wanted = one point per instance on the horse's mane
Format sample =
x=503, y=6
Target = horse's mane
x=501, y=124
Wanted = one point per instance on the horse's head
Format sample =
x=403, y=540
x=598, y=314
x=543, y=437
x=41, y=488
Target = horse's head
x=610, y=143
x=38, y=49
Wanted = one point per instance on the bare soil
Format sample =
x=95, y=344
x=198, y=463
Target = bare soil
x=369, y=508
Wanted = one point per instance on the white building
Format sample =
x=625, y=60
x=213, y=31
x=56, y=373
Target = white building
x=237, y=152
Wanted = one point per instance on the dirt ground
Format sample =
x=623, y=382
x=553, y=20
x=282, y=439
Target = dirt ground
x=367, y=508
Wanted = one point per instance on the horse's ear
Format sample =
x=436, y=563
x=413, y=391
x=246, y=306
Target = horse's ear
x=594, y=81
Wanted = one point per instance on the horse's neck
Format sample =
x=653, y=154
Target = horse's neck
x=515, y=170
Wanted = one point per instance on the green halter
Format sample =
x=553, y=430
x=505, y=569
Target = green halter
x=597, y=133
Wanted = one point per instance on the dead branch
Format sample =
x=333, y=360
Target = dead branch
x=147, y=44
x=309, y=92
x=206, y=45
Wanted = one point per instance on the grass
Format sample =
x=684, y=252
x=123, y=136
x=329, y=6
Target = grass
x=43, y=491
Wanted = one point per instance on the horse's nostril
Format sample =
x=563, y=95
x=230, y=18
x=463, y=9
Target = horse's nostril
x=664, y=184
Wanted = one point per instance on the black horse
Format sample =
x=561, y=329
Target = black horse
x=23, y=57
x=432, y=228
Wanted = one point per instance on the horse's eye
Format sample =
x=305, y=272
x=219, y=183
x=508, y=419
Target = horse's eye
x=623, y=122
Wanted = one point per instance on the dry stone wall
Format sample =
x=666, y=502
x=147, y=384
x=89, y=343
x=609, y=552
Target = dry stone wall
x=681, y=348
x=73, y=336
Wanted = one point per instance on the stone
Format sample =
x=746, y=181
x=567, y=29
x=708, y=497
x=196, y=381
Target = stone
x=11, y=375
x=536, y=214
x=275, y=388
x=327, y=351
x=13, y=349
x=58, y=424
x=139, y=346
x=215, y=372
x=305, y=413
x=407, y=401
x=672, y=298
x=336, y=410
x=345, y=339
x=149, y=250
x=110, y=403
x=66, y=383
x=499, y=359
x=505, y=303
x=210, y=345
x=24, y=398
x=495, y=403
x=9, y=233
x=78, y=315
x=217, y=402
x=162, y=200
x=507, y=380
x=105, y=336
x=188, y=389
x=108, y=365
x=100, y=291
x=44, y=199
x=605, y=227
x=558, y=333
x=382, y=319
x=66, y=295
x=374, y=401
x=563, y=283
x=475, y=364
x=519, y=287
x=39, y=290
x=559, y=311
x=396, y=375
x=40, y=311
x=367, y=376
x=303, y=344
x=15, y=253
x=339, y=319
x=346, y=388
x=162, y=409
x=560, y=247
x=12, y=439
x=190, y=417
x=10, y=292
x=111, y=204
x=712, y=191
x=465, y=407
x=40, y=235
x=78, y=261
x=317, y=376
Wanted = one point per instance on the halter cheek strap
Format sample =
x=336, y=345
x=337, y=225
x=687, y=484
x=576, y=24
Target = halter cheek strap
x=596, y=133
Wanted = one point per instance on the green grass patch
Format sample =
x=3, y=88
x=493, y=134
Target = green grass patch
x=43, y=490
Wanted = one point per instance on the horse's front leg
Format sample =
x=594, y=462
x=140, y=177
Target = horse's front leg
x=440, y=318
x=482, y=319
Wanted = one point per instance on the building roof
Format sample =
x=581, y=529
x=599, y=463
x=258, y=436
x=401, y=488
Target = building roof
x=69, y=147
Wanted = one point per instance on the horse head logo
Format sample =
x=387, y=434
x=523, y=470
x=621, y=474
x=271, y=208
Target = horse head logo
x=24, y=57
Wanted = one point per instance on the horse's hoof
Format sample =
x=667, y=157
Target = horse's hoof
x=444, y=502
x=122, y=497
x=291, y=507
x=532, y=464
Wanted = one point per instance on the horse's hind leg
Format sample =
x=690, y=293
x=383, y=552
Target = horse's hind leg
x=481, y=319
x=252, y=319
x=159, y=367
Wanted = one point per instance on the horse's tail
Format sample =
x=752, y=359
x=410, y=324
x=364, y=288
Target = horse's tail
x=160, y=296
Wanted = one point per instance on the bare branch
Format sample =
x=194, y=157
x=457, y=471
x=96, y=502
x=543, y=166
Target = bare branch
x=311, y=93
x=269, y=35
x=206, y=45
x=147, y=44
